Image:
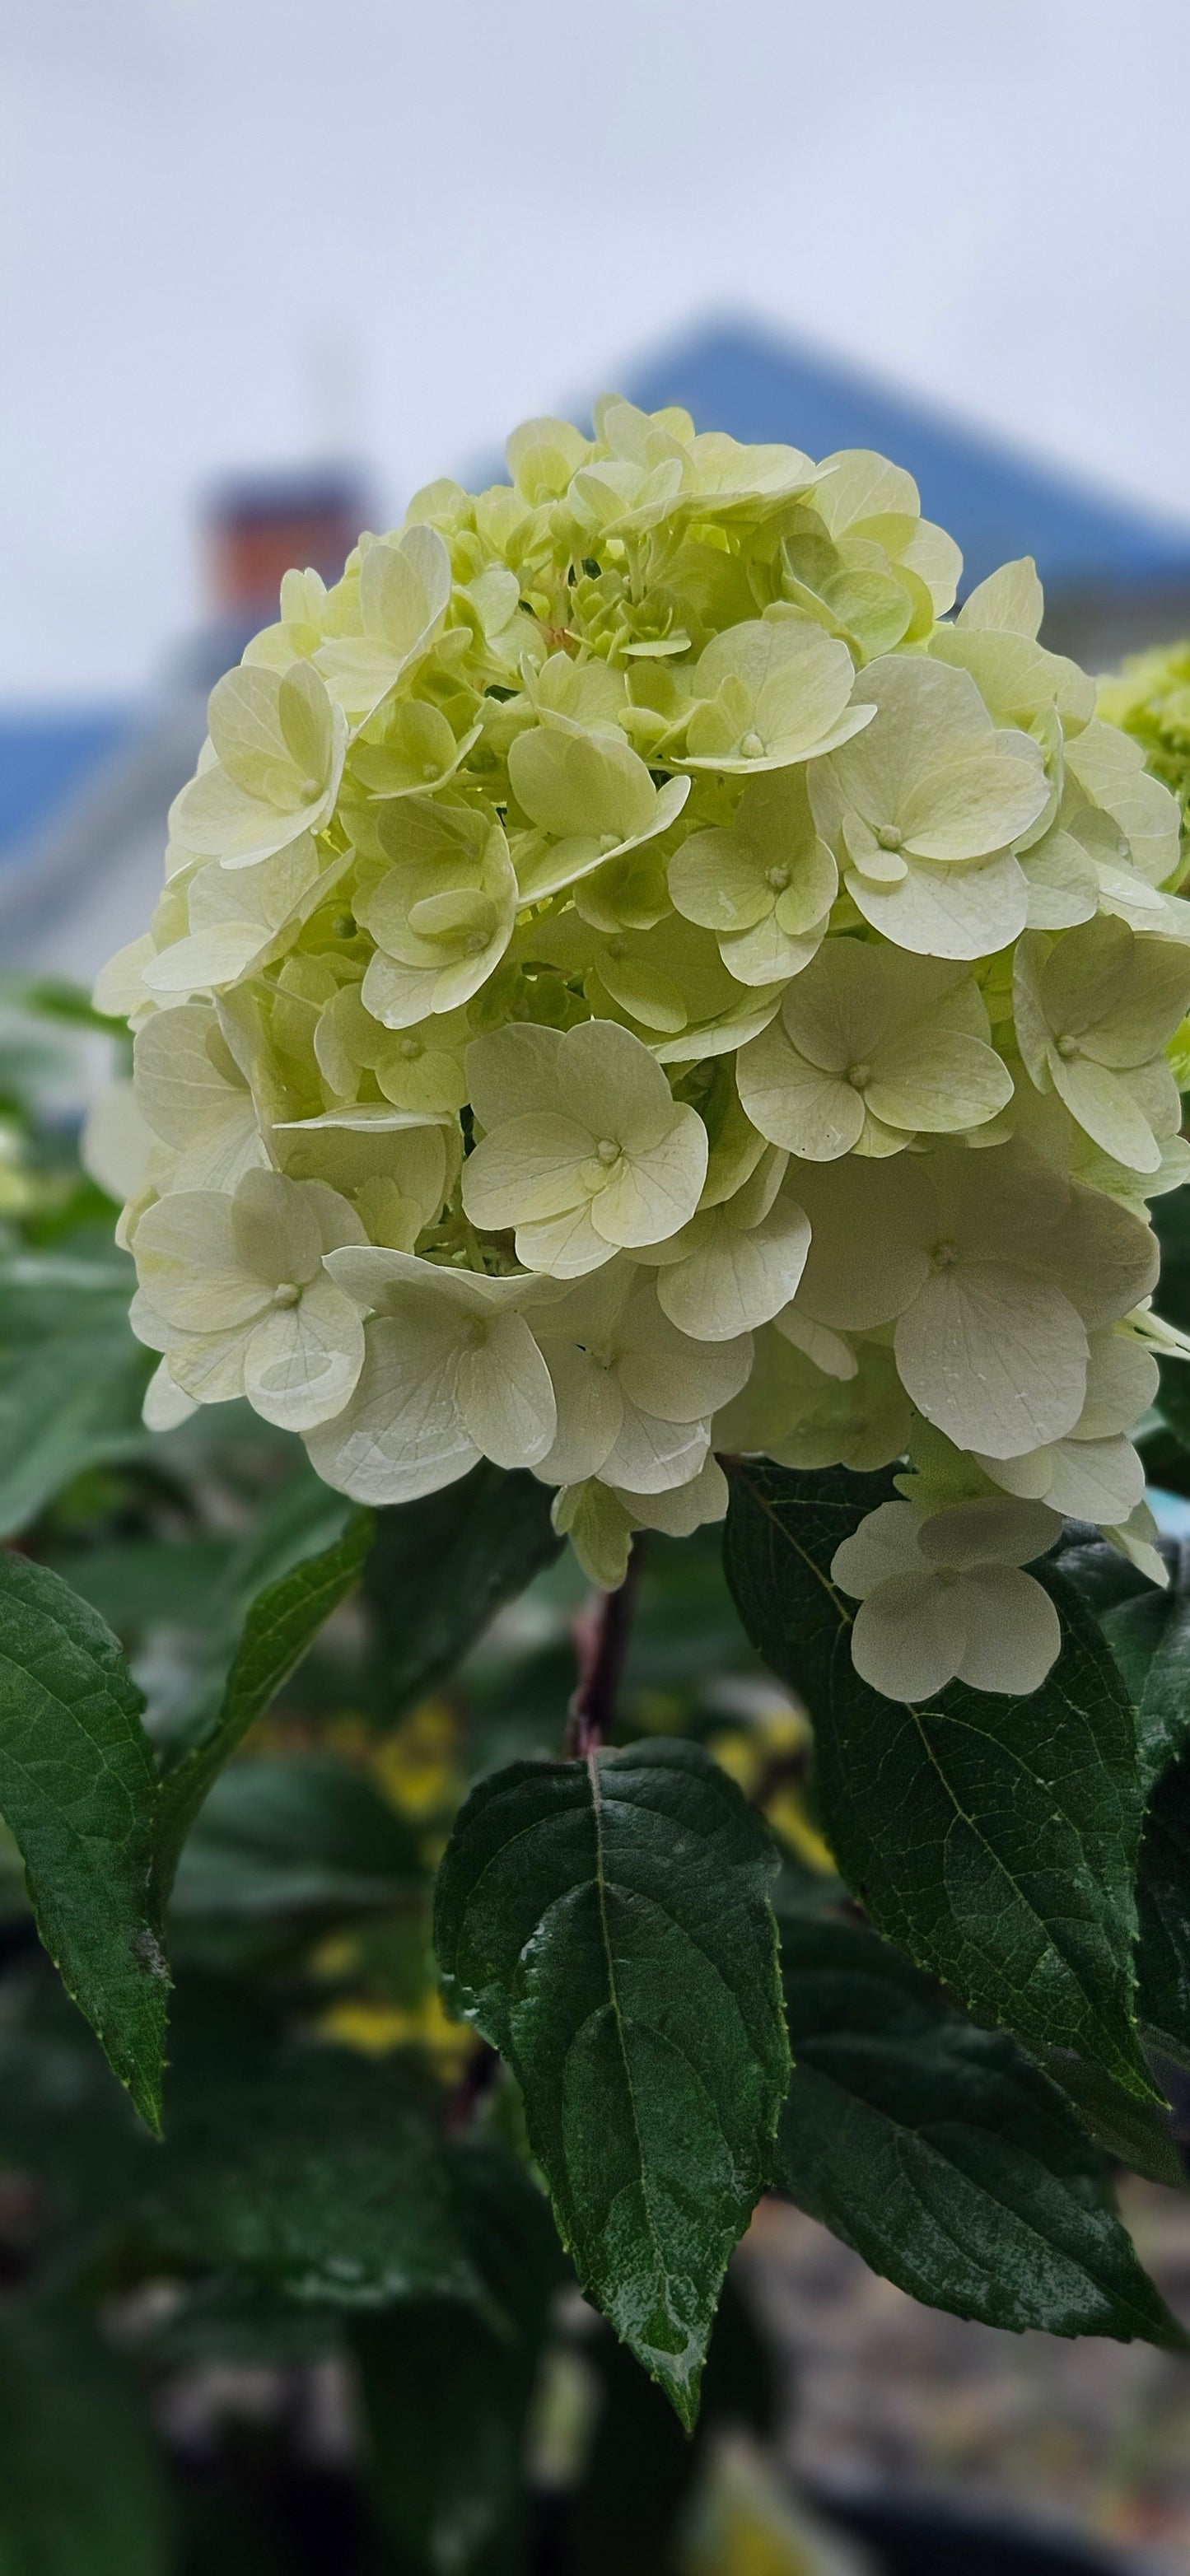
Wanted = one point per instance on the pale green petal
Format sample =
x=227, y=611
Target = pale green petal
x=978, y=1533
x=871, y=1228
x=166, y=1404
x=599, y=1529
x=995, y=1358
x=190, y=1262
x=590, y=1409
x=607, y=1078
x=976, y=804
x=945, y=911
x=808, y=1112
x=684, y=1508
x=513, y=1072
x=653, y=1190
x=210, y=1366
x=1122, y=1382
x=937, y=1081
x=528, y=1167
x=1096, y=1480
x=664, y=1372
x=564, y=1246
x=828, y=1351
x=909, y=1637
x=1012, y=1633
x=649, y=1456
x=504, y=1394
x=1103, y=1105
x=275, y=1229
x=400, y=1434
x=884, y=1544
x=301, y=1363
x=1010, y=601
x=735, y=1279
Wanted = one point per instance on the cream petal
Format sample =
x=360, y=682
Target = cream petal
x=940, y=911
x=884, y=1544
x=1012, y=1633
x=937, y=1080
x=648, y=1456
x=735, y=1279
x=908, y=1638
x=189, y=1260
x=275, y=1229
x=565, y=1246
x=400, y=1434
x=166, y=1403
x=1103, y=1105
x=654, y=1190
x=302, y=1362
x=808, y=1112
x=527, y=1168
x=504, y=1394
x=1008, y=1533
x=995, y=1358
x=871, y=1226
x=590, y=1409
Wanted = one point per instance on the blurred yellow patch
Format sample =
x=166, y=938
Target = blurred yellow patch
x=376, y=2028
x=418, y=1765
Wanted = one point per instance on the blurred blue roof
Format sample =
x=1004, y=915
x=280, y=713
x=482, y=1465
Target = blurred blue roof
x=995, y=500
x=46, y=753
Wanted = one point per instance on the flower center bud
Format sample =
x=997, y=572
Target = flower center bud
x=608, y=1151
x=777, y=878
x=309, y=789
x=608, y=841
x=859, y=1076
x=751, y=747
x=944, y=1256
x=1067, y=1046
x=477, y=940
x=411, y=1047
x=429, y=769
x=888, y=837
x=343, y=925
x=287, y=1294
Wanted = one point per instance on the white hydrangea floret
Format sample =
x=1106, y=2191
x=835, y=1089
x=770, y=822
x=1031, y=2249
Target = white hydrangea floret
x=945, y=1599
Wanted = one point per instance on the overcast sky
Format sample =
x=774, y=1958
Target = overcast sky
x=236, y=231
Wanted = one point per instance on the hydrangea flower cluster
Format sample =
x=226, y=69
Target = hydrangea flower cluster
x=1150, y=698
x=636, y=977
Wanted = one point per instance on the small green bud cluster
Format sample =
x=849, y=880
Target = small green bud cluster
x=637, y=977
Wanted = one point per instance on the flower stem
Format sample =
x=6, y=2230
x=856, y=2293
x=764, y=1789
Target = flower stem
x=601, y=1634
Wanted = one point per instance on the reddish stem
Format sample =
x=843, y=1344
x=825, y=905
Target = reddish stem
x=601, y=1633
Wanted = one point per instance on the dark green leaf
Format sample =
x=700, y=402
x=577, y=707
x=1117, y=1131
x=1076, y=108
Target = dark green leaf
x=441, y=1568
x=280, y=1625
x=78, y=1791
x=995, y=1839
x=606, y=1925
x=642, y=2467
x=444, y=2403
x=1131, y=2132
x=1149, y=1634
x=1164, y=1894
x=446, y=2389
x=312, y=2170
x=80, y=2489
x=942, y=2156
x=296, y=1837
x=72, y=1377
